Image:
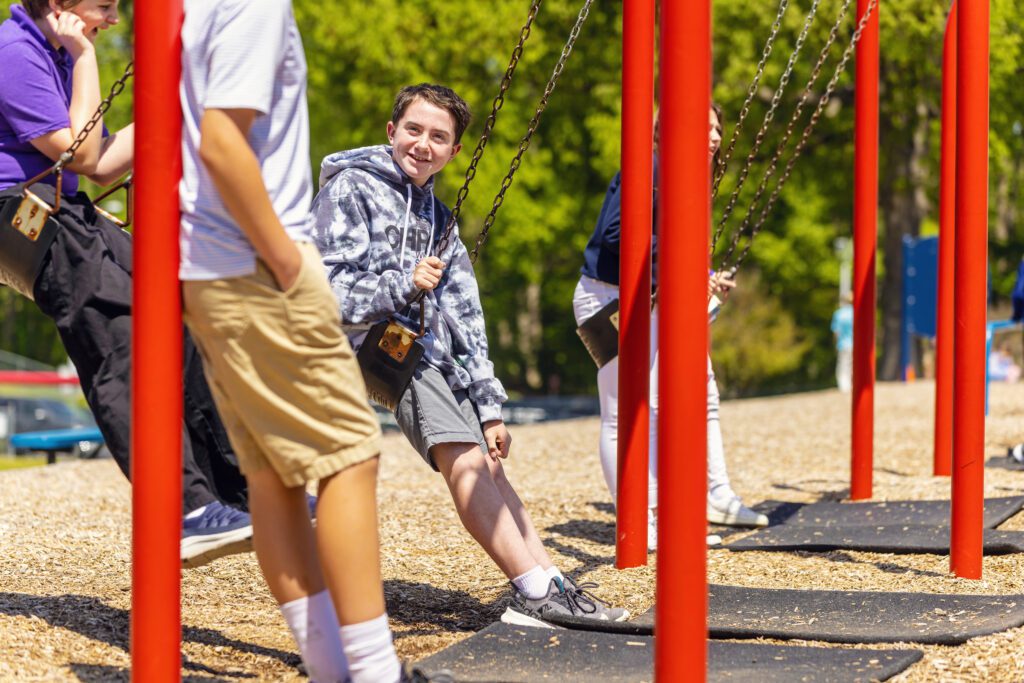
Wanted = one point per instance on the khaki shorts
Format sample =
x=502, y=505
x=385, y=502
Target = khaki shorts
x=283, y=375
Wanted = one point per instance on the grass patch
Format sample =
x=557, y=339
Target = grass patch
x=17, y=462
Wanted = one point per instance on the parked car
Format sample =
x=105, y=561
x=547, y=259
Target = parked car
x=22, y=414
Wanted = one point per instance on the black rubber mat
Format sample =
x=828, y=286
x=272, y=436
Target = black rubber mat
x=515, y=654
x=1004, y=463
x=933, y=540
x=896, y=512
x=846, y=617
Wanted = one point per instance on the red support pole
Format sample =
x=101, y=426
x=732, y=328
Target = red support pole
x=635, y=282
x=942, y=459
x=156, y=349
x=971, y=283
x=865, y=236
x=684, y=220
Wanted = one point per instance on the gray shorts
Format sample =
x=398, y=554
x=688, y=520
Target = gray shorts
x=430, y=413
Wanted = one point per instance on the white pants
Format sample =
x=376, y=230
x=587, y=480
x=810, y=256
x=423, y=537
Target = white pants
x=844, y=370
x=591, y=296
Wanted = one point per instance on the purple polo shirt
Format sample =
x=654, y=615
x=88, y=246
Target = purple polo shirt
x=35, y=94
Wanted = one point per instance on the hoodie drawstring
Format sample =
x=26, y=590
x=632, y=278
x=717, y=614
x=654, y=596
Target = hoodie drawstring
x=405, y=226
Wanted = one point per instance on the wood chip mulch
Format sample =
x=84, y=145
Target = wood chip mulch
x=65, y=544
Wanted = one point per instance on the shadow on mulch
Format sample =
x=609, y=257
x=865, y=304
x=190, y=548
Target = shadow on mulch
x=447, y=610
x=592, y=530
x=888, y=567
x=100, y=673
x=94, y=619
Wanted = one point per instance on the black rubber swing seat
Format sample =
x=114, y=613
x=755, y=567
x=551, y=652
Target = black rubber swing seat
x=516, y=654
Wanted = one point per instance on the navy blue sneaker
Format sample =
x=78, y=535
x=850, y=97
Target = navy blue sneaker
x=218, y=531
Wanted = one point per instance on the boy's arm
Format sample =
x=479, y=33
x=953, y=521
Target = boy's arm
x=459, y=299
x=343, y=236
x=224, y=150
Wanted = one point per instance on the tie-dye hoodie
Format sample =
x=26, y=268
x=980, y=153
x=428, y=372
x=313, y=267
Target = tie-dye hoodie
x=373, y=225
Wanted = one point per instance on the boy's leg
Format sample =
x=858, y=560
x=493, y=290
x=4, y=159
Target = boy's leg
x=482, y=507
x=527, y=530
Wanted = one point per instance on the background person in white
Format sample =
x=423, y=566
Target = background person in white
x=245, y=194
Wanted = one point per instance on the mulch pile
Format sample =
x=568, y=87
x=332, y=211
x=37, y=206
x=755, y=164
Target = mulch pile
x=65, y=544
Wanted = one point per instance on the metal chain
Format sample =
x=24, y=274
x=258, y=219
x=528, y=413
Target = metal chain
x=768, y=118
x=793, y=119
x=822, y=103
x=751, y=91
x=68, y=156
x=524, y=144
x=496, y=105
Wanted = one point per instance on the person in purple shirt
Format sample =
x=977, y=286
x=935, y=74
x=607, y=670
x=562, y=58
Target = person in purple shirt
x=49, y=91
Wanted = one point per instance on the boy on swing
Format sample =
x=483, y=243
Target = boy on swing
x=377, y=227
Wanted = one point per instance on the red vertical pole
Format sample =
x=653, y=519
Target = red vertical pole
x=156, y=349
x=684, y=220
x=966, y=542
x=865, y=235
x=942, y=460
x=635, y=281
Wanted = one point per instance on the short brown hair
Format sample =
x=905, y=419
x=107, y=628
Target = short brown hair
x=437, y=95
x=38, y=8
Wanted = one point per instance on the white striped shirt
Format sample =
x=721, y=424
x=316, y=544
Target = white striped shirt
x=242, y=54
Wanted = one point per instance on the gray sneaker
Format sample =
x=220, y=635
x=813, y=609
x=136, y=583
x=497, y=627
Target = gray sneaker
x=561, y=608
x=604, y=611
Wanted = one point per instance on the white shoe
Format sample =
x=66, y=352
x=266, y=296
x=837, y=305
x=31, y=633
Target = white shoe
x=735, y=513
x=1016, y=453
x=714, y=539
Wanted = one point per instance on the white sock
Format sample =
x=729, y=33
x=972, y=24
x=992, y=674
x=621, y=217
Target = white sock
x=553, y=573
x=533, y=584
x=370, y=652
x=314, y=625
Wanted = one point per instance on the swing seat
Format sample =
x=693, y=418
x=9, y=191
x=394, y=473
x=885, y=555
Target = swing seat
x=27, y=229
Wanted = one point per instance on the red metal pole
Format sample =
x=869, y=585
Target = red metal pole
x=865, y=235
x=966, y=542
x=684, y=220
x=942, y=459
x=635, y=282
x=156, y=349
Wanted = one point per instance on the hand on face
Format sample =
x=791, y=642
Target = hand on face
x=69, y=29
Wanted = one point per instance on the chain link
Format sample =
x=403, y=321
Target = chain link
x=768, y=118
x=68, y=156
x=822, y=103
x=751, y=91
x=496, y=105
x=524, y=144
x=790, y=126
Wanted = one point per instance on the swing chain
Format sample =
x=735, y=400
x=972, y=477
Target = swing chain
x=768, y=118
x=822, y=103
x=751, y=91
x=524, y=144
x=68, y=156
x=496, y=105
x=793, y=119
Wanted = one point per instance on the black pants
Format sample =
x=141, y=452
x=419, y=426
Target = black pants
x=86, y=288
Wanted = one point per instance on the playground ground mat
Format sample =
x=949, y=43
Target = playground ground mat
x=1005, y=463
x=65, y=546
x=515, y=654
x=892, y=538
x=738, y=612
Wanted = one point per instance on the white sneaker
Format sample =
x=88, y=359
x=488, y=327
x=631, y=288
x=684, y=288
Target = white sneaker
x=652, y=536
x=735, y=513
x=1016, y=453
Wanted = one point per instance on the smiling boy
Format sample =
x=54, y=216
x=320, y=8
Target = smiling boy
x=378, y=224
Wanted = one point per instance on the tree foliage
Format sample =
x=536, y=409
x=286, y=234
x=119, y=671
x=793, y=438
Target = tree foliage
x=775, y=333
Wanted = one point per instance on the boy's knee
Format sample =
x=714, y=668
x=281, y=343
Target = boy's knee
x=453, y=459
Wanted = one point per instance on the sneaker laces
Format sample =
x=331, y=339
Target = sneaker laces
x=580, y=597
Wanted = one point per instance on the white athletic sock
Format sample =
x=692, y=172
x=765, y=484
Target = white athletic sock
x=553, y=573
x=370, y=652
x=314, y=625
x=533, y=584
